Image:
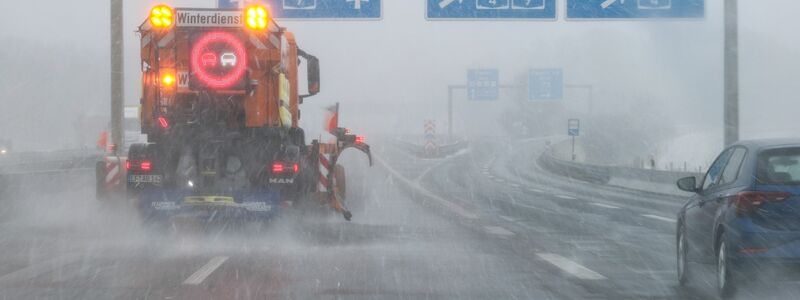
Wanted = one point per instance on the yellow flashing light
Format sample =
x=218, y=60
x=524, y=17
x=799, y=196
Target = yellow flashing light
x=161, y=16
x=167, y=78
x=257, y=17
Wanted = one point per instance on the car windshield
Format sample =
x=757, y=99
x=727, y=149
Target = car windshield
x=399, y=149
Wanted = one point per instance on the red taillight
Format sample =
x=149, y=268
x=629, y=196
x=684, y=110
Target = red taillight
x=360, y=139
x=163, y=122
x=747, y=202
x=278, y=168
x=128, y=165
x=146, y=166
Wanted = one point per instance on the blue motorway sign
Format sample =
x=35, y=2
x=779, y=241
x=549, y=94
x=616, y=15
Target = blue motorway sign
x=483, y=85
x=635, y=9
x=491, y=9
x=316, y=9
x=545, y=84
x=574, y=127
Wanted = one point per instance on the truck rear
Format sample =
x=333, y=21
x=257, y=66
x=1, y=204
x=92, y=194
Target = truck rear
x=220, y=109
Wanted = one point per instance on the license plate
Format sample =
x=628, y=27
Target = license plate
x=145, y=178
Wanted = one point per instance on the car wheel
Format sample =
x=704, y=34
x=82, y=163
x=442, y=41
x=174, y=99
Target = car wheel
x=725, y=282
x=682, y=250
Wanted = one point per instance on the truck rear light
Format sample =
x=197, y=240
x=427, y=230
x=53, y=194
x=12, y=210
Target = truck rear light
x=167, y=79
x=257, y=17
x=161, y=16
x=146, y=166
x=163, y=122
x=747, y=202
x=278, y=168
x=360, y=139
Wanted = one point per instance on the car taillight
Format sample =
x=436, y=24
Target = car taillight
x=146, y=166
x=360, y=139
x=277, y=168
x=128, y=165
x=296, y=168
x=747, y=202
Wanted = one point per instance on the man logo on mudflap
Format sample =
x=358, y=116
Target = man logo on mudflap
x=281, y=180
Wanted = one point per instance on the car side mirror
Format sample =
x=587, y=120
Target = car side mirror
x=688, y=184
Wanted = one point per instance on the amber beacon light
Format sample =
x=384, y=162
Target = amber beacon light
x=162, y=16
x=257, y=17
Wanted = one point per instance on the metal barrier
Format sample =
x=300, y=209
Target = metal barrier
x=442, y=150
x=603, y=174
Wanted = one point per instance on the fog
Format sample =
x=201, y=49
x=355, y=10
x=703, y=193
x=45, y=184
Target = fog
x=510, y=208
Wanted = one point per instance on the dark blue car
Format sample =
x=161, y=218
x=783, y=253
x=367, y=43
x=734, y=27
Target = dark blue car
x=745, y=212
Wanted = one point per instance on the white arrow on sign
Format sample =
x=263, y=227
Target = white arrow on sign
x=608, y=3
x=446, y=3
x=358, y=3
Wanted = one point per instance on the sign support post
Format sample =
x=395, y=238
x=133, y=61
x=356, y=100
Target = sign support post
x=731, y=110
x=117, y=76
x=573, y=129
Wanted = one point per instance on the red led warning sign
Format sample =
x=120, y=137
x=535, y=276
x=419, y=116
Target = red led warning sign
x=219, y=61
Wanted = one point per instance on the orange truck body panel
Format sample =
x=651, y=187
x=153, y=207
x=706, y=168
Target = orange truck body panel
x=269, y=53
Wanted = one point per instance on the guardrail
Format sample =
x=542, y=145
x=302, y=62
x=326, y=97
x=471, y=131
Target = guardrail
x=44, y=172
x=442, y=150
x=606, y=174
x=43, y=162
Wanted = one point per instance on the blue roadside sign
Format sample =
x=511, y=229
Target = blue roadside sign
x=491, y=9
x=545, y=84
x=316, y=9
x=483, y=85
x=635, y=9
x=574, y=127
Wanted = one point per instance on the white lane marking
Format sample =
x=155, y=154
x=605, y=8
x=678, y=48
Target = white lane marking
x=570, y=267
x=535, y=191
x=660, y=218
x=507, y=218
x=417, y=186
x=497, y=230
x=536, y=208
x=203, y=273
x=566, y=197
x=40, y=268
x=604, y=205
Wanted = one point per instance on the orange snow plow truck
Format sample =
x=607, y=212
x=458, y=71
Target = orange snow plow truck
x=220, y=109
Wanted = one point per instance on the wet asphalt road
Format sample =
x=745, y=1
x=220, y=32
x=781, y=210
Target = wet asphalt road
x=484, y=224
